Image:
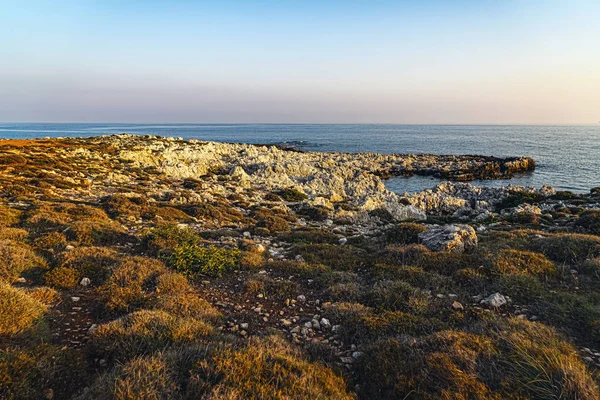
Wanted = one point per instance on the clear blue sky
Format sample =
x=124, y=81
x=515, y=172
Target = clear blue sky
x=425, y=61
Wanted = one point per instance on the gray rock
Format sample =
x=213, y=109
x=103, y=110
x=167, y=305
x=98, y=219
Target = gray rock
x=451, y=238
x=495, y=300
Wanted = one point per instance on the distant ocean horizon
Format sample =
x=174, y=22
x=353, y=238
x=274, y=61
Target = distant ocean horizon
x=567, y=157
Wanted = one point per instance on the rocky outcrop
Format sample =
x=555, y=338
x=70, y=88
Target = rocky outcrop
x=451, y=238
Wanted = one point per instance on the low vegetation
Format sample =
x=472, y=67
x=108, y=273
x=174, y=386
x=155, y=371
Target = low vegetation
x=157, y=288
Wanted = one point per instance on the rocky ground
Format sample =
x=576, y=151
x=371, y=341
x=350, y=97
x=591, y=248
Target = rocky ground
x=190, y=263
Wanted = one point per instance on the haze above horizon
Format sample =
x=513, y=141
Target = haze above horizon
x=407, y=62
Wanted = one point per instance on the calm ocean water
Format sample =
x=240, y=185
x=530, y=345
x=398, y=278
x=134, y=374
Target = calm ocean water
x=568, y=157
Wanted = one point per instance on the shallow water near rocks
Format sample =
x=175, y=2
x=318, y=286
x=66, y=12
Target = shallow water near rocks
x=567, y=157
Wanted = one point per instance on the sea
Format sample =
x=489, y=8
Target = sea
x=567, y=157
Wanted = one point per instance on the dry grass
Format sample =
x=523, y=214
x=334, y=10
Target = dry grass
x=131, y=284
x=514, y=262
x=144, y=332
x=568, y=248
x=95, y=263
x=62, y=278
x=267, y=368
x=16, y=258
x=19, y=310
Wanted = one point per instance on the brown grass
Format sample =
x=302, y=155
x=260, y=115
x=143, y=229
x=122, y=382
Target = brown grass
x=18, y=309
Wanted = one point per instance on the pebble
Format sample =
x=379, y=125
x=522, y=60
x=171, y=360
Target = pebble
x=301, y=298
x=85, y=282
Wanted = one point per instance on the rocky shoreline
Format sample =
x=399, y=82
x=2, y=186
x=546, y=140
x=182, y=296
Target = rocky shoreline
x=246, y=256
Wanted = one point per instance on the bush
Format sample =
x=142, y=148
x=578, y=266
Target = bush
x=19, y=310
x=141, y=378
x=397, y=295
x=131, y=283
x=590, y=221
x=538, y=363
x=404, y=233
x=15, y=234
x=172, y=284
x=521, y=288
x=266, y=368
x=44, y=295
x=100, y=233
x=515, y=262
x=51, y=243
x=144, y=332
x=571, y=248
x=62, y=278
x=309, y=236
x=251, y=260
x=16, y=258
x=164, y=239
x=346, y=258
x=187, y=305
x=41, y=372
x=274, y=224
x=193, y=260
x=8, y=216
x=292, y=194
x=95, y=263
x=446, y=263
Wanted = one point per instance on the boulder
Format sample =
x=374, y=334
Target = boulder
x=451, y=238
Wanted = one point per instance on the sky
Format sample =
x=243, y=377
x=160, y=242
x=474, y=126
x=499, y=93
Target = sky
x=304, y=61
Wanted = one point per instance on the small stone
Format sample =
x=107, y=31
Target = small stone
x=85, y=281
x=347, y=360
x=244, y=325
x=356, y=355
x=75, y=299
x=286, y=322
x=301, y=298
x=457, y=305
x=495, y=300
x=315, y=324
x=21, y=280
x=342, y=241
x=325, y=324
x=69, y=248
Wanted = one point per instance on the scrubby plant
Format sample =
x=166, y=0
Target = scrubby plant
x=194, y=260
x=396, y=295
x=19, y=310
x=168, y=237
x=404, y=233
x=309, y=236
x=590, y=221
x=95, y=233
x=95, y=263
x=274, y=224
x=16, y=258
x=446, y=263
x=568, y=248
x=537, y=363
x=149, y=377
x=15, y=234
x=346, y=258
x=131, y=283
x=144, y=332
x=188, y=305
x=265, y=368
x=51, y=242
x=514, y=262
x=251, y=260
x=44, y=295
x=8, y=215
x=62, y=278
x=292, y=195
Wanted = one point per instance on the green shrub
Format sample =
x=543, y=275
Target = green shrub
x=168, y=237
x=62, y=278
x=521, y=288
x=446, y=263
x=193, y=260
x=292, y=194
x=274, y=224
x=18, y=309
